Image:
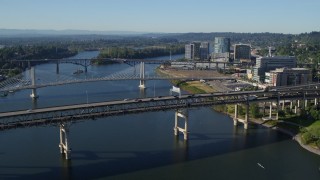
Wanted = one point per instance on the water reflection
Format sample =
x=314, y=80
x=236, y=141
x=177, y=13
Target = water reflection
x=34, y=103
x=181, y=148
x=143, y=93
x=66, y=168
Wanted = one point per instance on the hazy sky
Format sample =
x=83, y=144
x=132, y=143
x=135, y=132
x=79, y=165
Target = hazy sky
x=282, y=16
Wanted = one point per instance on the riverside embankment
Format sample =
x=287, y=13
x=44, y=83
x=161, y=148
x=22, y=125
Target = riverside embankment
x=199, y=87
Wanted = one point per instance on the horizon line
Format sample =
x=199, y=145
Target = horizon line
x=146, y=32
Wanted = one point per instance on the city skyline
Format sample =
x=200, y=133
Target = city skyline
x=286, y=16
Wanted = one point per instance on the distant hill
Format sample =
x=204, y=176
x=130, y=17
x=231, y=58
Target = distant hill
x=41, y=33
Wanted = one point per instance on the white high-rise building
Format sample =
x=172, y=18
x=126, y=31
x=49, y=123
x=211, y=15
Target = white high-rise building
x=189, y=51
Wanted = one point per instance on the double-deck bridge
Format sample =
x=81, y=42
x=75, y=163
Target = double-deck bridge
x=297, y=96
x=65, y=115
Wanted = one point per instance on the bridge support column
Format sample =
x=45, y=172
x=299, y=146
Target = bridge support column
x=64, y=143
x=33, y=94
x=305, y=103
x=235, y=119
x=282, y=105
x=270, y=111
x=142, y=81
x=278, y=103
x=295, y=109
x=315, y=101
x=246, y=120
x=182, y=113
x=57, y=67
x=298, y=103
x=291, y=105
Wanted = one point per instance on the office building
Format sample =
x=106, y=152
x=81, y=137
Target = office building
x=266, y=64
x=221, y=49
x=204, y=50
x=192, y=50
x=196, y=50
x=221, y=45
x=242, y=52
x=189, y=51
x=288, y=76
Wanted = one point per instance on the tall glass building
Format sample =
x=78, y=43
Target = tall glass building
x=189, y=51
x=221, y=45
x=204, y=51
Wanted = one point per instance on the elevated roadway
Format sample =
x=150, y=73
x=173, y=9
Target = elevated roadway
x=73, y=113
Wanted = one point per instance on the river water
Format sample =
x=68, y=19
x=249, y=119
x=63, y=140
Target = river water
x=143, y=146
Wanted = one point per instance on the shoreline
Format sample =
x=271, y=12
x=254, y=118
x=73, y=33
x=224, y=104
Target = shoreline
x=295, y=137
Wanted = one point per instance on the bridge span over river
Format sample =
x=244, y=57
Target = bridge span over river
x=64, y=116
x=31, y=81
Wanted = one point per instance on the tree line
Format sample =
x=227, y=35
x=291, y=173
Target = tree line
x=140, y=53
x=29, y=52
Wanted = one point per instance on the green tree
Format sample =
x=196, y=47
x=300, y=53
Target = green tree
x=254, y=110
x=281, y=113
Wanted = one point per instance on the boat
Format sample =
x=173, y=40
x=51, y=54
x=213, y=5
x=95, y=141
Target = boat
x=260, y=165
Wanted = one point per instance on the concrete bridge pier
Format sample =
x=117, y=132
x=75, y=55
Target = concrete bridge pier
x=278, y=104
x=33, y=94
x=283, y=103
x=235, y=119
x=244, y=121
x=142, y=75
x=305, y=103
x=57, y=67
x=85, y=66
x=183, y=114
x=270, y=111
x=64, y=143
x=315, y=101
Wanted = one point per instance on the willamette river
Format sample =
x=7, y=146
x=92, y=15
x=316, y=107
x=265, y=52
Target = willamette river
x=142, y=146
